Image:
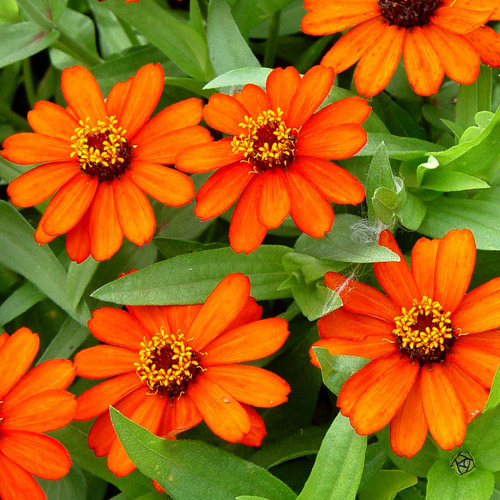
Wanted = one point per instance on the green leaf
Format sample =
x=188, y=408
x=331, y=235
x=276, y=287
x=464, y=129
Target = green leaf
x=20, y=252
x=494, y=396
x=189, y=278
x=68, y=339
x=350, y=240
x=9, y=11
x=444, y=484
x=72, y=486
x=25, y=297
x=179, y=41
x=387, y=484
x=447, y=181
x=481, y=217
x=246, y=497
x=171, y=247
x=227, y=47
x=79, y=276
x=374, y=461
x=412, y=213
x=336, y=369
x=239, y=78
x=22, y=40
x=339, y=465
x=193, y=469
x=315, y=300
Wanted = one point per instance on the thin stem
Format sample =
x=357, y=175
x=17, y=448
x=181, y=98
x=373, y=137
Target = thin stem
x=292, y=311
x=272, y=39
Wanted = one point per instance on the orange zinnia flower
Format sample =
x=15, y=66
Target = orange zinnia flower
x=31, y=403
x=435, y=349
x=277, y=159
x=436, y=37
x=174, y=366
x=101, y=157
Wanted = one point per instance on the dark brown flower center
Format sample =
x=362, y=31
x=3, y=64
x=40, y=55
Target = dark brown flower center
x=103, y=150
x=409, y=13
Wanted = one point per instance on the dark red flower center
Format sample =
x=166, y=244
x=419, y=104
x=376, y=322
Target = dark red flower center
x=409, y=13
x=103, y=150
x=267, y=142
x=168, y=364
x=424, y=332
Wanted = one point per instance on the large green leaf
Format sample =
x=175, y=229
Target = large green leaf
x=399, y=148
x=189, y=278
x=339, y=465
x=25, y=297
x=387, y=484
x=72, y=486
x=193, y=469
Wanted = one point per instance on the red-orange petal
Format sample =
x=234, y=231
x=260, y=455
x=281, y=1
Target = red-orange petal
x=455, y=260
x=423, y=264
x=281, y=85
x=83, y=95
x=370, y=347
x=27, y=148
x=225, y=113
x=274, y=202
x=487, y=42
x=207, y=157
x=257, y=430
x=181, y=317
x=17, y=483
x=458, y=19
x=251, y=312
x=479, y=364
x=409, y=426
x=310, y=210
x=379, y=62
x=246, y=343
x=167, y=185
x=221, y=307
x=104, y=361
x=443, y=411
x=253, y=99
x=250, y=384
x=152, y=318
x=40, y=455
x=105, y=233
x=181, y=415
x=246, y=233
x=395, y=277
x=51, y=119
x=78, y=240
x=117, y=96
x=17, y=354
x=479, y=316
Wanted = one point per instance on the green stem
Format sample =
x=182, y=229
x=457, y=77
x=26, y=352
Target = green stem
x=17, y=120
x=29, y=86
x=292, y=311
x=272, y=39
x=203, y=7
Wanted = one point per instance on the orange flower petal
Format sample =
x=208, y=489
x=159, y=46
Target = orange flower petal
x=27, y=148
x=423, y=65
x=487, y=42
x=103, y=361
x=460, y=20
x=361, y=298
x=117, y=327
x=3, y=339
x=39, y=183
x=485, y=341
x=51, y=119
x=253, y=99
x=117, y=97
x=152, y=318
x=251, y=312
x=165, y=148
x=351, y=46
x=42, y=237
x=379, y=62
x=177, y=116
x=250, y=384
x=17, y=354
x=395, y=277
x=221, y=190
x=327, y=17
x=148, y=415
x=181, y=317
x=246, y=343
x=376, y=407
x=181, y=414
x=479, y=316
x=479, y=364
x=348, y=110
x=423, y=264
x=257, y=430
x=310, y=211
x=281, y=85
x=332, y=181
x=370, y=347
x=221, y=412
x=246, y=233
x=478, y=294
x=135, y=213
x=310, y=93
x=83, y=95
x=455, y=260
x=105, y=233
x=443, y=411
x=16, y=483
x=206, y=157
x=78, y=240
x=459, y=58
x=40, y=455
x=142, y=98
x=42, y=412
x=69, y=204
x=49, y=375
x=274, y=203
x=221, y=307
x=409, y=426
x=339, y=142
x=225, y=113
x=472, y=395
x=166, y=185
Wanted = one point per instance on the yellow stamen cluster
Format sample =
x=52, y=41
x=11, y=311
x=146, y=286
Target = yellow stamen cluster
x=167, y=363
x=425, y=328
x=104, y=145
x=267, y=141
